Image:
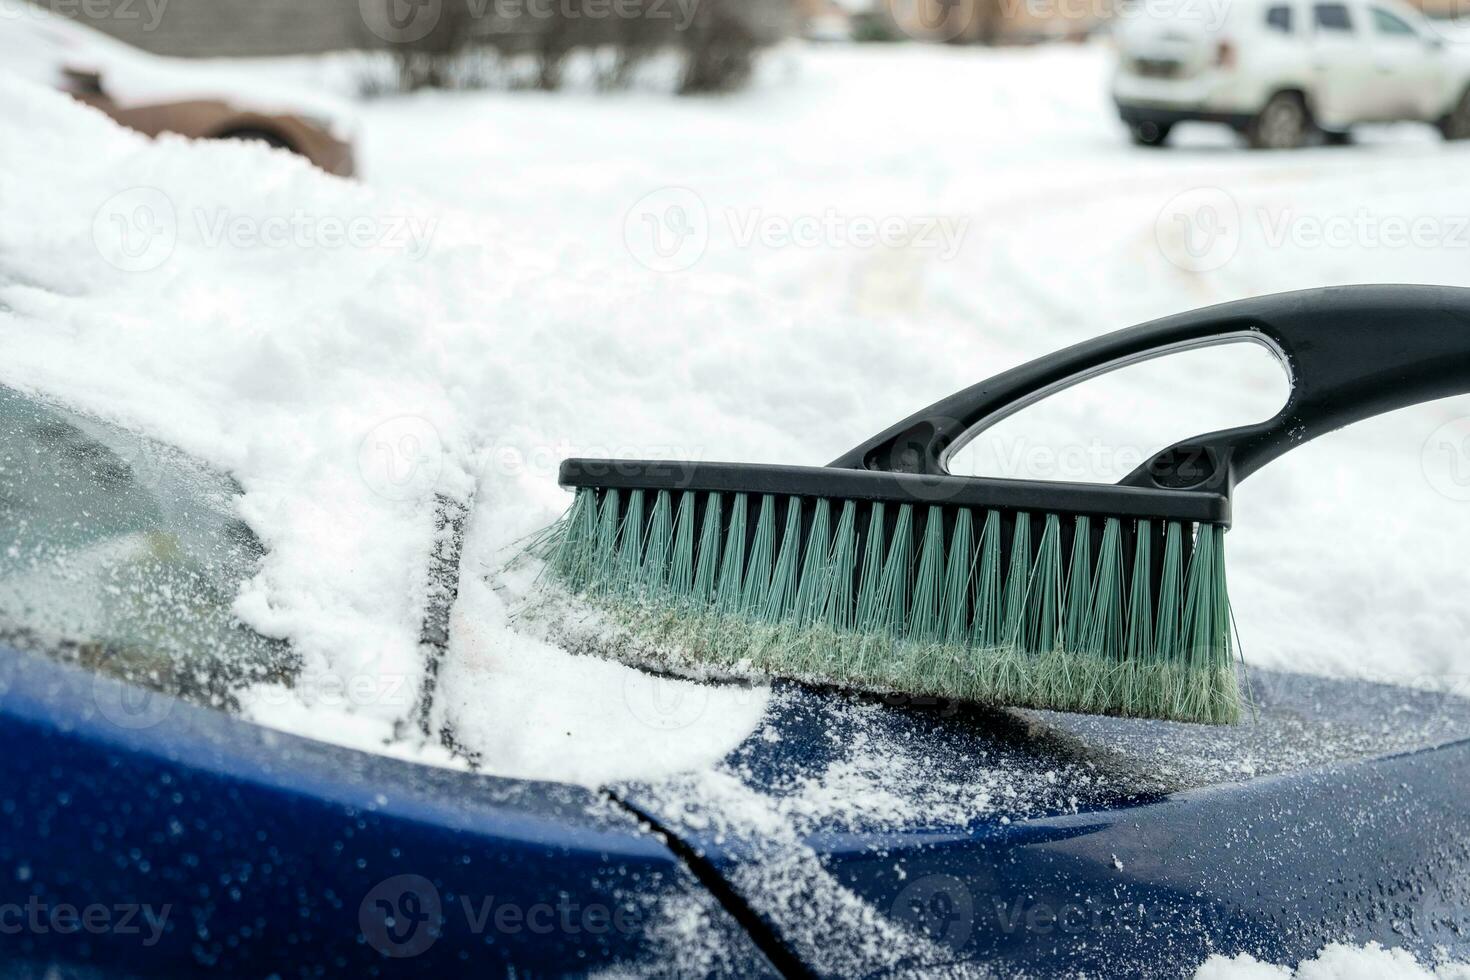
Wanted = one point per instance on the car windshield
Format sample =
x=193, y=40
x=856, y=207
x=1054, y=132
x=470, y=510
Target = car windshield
x=124, y=555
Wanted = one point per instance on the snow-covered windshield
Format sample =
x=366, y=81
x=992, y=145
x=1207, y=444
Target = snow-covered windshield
x=123, y=555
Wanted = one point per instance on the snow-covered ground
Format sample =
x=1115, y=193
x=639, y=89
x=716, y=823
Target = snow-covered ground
x=770, y=277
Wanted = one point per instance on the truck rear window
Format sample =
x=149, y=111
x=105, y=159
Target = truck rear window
x=1279, y=19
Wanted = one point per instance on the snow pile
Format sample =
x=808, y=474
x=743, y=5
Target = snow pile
x=348, y=355
x=1335, y=962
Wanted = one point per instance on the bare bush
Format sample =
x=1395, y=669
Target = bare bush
x=483, y=42
x=723, y=38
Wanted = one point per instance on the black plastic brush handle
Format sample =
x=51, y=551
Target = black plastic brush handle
x=1351, y=352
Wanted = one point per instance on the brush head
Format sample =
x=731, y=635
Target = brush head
x=1083, y=598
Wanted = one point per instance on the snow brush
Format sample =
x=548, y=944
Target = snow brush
x=883, y=572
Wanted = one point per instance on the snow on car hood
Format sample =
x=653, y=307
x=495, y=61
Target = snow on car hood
x=349, y=357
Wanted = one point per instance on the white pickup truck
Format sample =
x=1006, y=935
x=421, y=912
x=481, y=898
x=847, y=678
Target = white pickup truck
x=1286, y=72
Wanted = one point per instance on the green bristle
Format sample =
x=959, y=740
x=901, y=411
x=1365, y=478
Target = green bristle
x=782, y=596
x=919, y=611
x=1206, y=613
x=888, y=602
x=1018, y=576
x=1221, y=596
x=732, y=567
x=838, y=607
x=874, y=551
x=887, y=618
x=1044, y=590
x=1166, y=622
x=605, y=554
x=1225, y=692
x=1200, y=636
x=630, y=545
x=548, y=543
x=1009, y=673
x=940, y=660
x=989, y=587
x=926, y=621
x=1079, y=585
x=815, y=579
x=660, y=540
x=762, y=555
x=957, y=577
x=1105, y=623
x=707, y=566
x=1140, y=642
x=681, y=554
x=573, y=557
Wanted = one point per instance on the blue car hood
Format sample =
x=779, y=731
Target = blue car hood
x=859, y=836
x=847, y=836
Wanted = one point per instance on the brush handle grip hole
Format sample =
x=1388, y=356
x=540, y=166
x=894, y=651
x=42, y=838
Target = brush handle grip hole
x=1187, y=468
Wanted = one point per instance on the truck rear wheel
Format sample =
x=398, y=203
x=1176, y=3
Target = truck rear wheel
x=1283, y=124
x=1149, y=133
